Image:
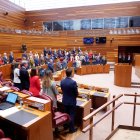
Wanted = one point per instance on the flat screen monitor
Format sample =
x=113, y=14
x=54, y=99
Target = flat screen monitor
x=100, y=40
x=88, y=40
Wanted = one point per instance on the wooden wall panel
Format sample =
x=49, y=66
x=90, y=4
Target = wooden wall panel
x=15, y=18
x=137, y=65
x=96, y=11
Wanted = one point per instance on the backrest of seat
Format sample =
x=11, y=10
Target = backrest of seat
x=1, y=76
x=27, y=92
x=1, y=134
x=15, y=88
x=44, y=96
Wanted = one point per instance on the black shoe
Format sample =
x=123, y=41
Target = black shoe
x=72, y=131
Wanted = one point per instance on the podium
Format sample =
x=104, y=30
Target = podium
x=122, y=74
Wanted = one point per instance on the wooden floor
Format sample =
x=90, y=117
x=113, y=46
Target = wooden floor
x=64, y=135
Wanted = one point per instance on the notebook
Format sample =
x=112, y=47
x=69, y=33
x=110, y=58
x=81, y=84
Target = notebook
x=10, y=101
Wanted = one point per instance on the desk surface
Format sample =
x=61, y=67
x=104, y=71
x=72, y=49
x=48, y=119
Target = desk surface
x=89, y=92
x=6, y=113
x=80, y=102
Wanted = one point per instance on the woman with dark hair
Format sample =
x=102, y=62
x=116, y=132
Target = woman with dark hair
x=34, y=82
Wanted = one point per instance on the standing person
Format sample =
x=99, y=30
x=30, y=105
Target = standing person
x=70, y=92
x=45, y=51
x=49, y=87
x=1, y=60
x=5, y=58
x=24, y=76
x=17, y=81
x=24, y=56
x=11, y=57
x=34, y=82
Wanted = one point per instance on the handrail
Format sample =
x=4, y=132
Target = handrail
x=101, y=118
x=92, y=114
x=132, y=95
x=101, y=108
x=131, y=103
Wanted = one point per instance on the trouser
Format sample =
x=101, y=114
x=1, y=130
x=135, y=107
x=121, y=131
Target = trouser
x=71, y=111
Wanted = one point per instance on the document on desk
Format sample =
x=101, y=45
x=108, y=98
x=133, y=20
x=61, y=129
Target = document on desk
x=21, y=117
x=7, y=112
x=38, y=100
x=4, y=88
x=79, y=102
x=100, y=94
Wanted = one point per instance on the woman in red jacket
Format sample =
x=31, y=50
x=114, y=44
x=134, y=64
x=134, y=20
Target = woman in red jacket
x=34, y=82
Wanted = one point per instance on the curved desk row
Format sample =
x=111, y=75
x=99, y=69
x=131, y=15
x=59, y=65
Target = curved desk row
x=24, y=123
x=91, y=69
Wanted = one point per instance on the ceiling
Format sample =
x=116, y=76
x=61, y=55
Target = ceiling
x=30, y=5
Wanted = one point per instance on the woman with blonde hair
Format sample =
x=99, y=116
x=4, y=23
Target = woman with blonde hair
x=49, y=87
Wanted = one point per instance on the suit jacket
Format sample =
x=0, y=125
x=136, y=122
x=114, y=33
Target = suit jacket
x=11, y=58
x=51, y=67
x=5, y=60
x=70, y=92
x=24, y=77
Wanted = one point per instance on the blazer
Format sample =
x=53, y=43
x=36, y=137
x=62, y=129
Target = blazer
x=11, y=58
x=24, y=77
x=70, y=91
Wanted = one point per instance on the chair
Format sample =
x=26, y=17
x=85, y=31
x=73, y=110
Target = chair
x=27, y=92
x=15, y=88
x=58, y=118
x=4, y=82
x=2, y=136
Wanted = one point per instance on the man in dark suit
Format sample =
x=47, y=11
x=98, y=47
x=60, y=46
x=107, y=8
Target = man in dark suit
x=5, y=58
x=24, y=76
x=11, y=57
x=70, y=92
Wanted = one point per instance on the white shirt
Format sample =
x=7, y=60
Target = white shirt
x=16, y=76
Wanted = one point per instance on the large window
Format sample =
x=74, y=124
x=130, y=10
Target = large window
x=96, y=23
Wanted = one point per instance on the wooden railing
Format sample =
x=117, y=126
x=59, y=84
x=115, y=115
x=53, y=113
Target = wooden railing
x=114, y=107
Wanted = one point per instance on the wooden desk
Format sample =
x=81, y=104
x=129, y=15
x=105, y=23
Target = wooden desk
x=59, y=75
x=91, y=69
x=97, y=98
x=83, y=109
x=122, y=75
x=39, y=128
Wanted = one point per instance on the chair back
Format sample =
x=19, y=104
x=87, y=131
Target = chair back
x=27, y=92
x=15, y=88
x=58, y=118
x=46, y=97
x=1, y=76
x=2, y=136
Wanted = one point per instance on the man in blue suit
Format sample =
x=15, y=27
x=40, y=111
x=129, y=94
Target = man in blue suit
x=70, y=92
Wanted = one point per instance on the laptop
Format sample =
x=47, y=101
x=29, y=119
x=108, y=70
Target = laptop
x=10, y=101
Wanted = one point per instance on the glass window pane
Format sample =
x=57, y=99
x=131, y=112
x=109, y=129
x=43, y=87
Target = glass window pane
x=85, y=24
x=109, y=23
x=97, y=23
x=47, y=26
x=121, y=22
x=68, y=25
x=134, y=21
x=57, y=26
